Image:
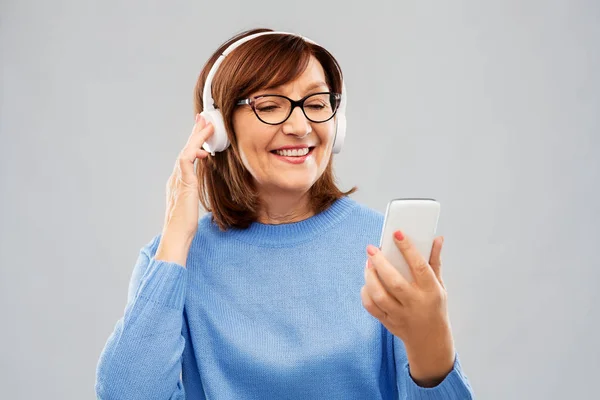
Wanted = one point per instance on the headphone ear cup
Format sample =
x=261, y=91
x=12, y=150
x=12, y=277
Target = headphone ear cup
x=218, y=141
x=340, y=133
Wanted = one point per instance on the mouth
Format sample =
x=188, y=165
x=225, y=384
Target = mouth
x=293, y=155
x=294, y=152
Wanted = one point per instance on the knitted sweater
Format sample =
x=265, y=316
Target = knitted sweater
x=268, y=312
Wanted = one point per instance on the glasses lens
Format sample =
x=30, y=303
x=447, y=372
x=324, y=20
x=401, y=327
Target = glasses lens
x=272, y=109
x=320, y=107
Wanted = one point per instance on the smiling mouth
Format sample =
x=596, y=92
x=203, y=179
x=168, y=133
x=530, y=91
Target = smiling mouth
x=293, y=152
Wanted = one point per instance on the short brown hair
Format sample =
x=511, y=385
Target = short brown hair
x=226, y=187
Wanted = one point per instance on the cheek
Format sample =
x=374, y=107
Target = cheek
x=253, y=143
x=250, y=154
x=326, y=135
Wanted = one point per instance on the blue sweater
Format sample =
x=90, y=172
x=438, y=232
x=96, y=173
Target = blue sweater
x=269, y=312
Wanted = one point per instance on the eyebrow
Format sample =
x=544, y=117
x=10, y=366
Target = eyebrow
x=310, y=87
x=316, y=85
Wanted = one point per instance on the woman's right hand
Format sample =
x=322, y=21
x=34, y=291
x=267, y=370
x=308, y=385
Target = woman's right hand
x=181, y=216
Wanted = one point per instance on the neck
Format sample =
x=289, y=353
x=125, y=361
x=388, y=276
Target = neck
x=284, y=208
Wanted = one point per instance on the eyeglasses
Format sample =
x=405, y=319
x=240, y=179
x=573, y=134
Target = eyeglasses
x=274, y=109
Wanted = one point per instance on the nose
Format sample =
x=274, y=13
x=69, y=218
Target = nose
x=297, y=124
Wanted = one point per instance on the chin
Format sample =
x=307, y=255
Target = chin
x=294, y=184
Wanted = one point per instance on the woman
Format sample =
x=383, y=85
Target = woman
x=268, y=295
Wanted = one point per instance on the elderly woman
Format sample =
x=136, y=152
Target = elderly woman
x=278, y=291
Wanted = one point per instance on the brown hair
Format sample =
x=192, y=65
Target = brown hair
x=226, y=187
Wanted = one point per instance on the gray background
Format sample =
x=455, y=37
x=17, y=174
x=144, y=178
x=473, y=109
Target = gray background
x=491, y=107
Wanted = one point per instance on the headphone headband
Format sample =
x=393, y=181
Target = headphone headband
x=207, y=99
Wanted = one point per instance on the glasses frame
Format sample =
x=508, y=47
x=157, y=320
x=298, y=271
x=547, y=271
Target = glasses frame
x=251, y=101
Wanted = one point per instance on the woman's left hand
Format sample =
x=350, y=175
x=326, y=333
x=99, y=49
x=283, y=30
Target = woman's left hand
x=415, y=312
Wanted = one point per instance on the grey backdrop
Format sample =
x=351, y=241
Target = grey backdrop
x=491, y=107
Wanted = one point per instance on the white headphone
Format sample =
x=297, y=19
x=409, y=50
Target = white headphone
x=219, y=141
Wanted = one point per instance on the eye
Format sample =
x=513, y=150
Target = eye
x=316, y=106
x=268, y=104
x=318, y=102
x=267, y=108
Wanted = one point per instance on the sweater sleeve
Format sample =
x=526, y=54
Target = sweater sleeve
x=455, y=385
x=142, y=357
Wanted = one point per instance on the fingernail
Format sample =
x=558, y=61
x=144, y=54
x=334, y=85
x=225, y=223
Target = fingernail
x=399, y=236
x=371, y=250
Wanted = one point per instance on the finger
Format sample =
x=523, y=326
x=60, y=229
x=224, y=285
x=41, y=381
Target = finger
x=200, y=153
x=391, y=279
x=420, y=268
x=186, y=165
x=435, y=260
x=200, y=133
x=199, y=124
x=195, y=142
x=370, y=305
x=379, y=294
x=186, y=156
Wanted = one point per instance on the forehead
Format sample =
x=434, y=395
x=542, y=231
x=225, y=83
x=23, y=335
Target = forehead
x=313, y=72
x=313, y=76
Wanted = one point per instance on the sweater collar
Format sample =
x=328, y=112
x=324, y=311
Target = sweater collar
x=286, y=235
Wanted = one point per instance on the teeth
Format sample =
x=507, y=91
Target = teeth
x=293, y=153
